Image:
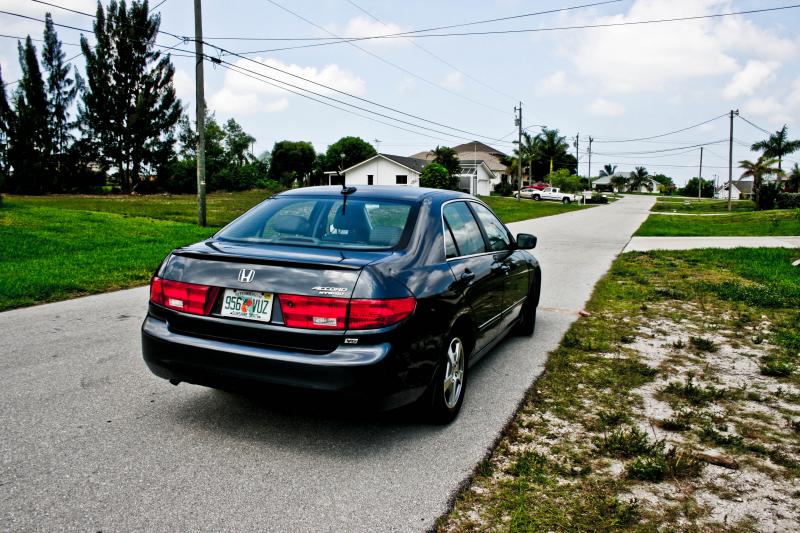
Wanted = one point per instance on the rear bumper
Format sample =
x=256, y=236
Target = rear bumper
x=367, y=372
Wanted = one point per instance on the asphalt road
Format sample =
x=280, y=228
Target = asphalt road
x=92, y=441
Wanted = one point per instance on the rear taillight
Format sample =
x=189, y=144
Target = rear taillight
x=186, y=297
x=372, y=314
x=312, y=312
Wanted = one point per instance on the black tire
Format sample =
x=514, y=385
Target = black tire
x=445, y=403
x=566, y=201
x=527, y=318
x=537, y=197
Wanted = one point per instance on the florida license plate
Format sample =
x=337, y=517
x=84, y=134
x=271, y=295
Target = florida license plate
x=250, y=305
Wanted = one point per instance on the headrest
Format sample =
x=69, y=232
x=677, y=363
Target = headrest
x=291, y=224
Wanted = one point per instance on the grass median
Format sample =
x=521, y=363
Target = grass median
x=513, y=210
x=756, y=223
x=706, y=205
x=674, y=406
x=50, y=253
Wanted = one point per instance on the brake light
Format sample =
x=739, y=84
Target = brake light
x=373, y=314
x=313, y=312
x=187, y=297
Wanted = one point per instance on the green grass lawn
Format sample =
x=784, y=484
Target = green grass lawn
x=51, y=253
x=221, y=207
x=706, y=205
x=511, y=210
x=776, y=222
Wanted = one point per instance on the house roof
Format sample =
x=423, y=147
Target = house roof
x=413, y=164
x=470, y=164
x=477, y=146
x=745, y=187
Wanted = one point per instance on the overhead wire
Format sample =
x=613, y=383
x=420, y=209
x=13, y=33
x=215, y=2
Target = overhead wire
x=660, y=134
x=535, y=30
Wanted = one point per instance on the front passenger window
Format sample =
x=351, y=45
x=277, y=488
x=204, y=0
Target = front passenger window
x=466, y=232
x=499, y=239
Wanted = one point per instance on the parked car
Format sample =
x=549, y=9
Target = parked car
x=529, y=190
x=384, y=293
x=554, y=193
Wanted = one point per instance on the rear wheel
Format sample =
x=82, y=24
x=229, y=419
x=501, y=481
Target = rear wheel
x=450, y=381
x=566, y=201
x=537, y=197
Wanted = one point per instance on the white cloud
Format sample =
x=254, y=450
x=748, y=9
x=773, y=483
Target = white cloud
x=453, y=81
x=242, y=94
x=751, y=77
x=554, y=83
x=184, y=89
x=776, y=109
x=606, y=108
x=647, y=57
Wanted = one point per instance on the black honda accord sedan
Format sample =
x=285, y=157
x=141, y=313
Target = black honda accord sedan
x=385, y=293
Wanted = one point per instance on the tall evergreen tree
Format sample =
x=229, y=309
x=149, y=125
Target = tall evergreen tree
x=30, y=143
x=61, y=91
x=5, y=132
x=129, y=108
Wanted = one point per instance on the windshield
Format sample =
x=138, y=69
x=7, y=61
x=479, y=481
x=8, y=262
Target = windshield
x=324, y=222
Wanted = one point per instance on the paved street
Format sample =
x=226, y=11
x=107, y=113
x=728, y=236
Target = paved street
x=92, y=441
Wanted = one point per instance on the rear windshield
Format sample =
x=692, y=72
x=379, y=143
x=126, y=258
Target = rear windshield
x=323, y=222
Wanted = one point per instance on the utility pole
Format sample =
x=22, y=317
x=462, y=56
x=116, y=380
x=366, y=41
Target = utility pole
x=591, y=140
x=578, y=153
x=730, y=159
x=519, y=150
x=700, y=182
x=201, y=114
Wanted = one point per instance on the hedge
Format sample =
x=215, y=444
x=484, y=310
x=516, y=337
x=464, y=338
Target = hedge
x=787, y=200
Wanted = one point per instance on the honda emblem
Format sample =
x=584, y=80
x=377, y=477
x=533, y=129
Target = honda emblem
x=246, y=275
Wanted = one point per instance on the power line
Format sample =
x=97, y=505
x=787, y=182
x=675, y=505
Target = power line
x=386, y=61
x=755, y=126
x=437, y=57
x=414, y=32
x=538, y=30
x=668, y=133
x=161, y=3
x=646, y=152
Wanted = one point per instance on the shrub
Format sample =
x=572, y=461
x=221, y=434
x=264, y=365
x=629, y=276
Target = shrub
x=435, y=176
x=772, y=366
x=702, y=344
x=564, y=180
x=692, y=393
x=597, y=199
x=626, y=443
x=788, y=200
x=504, y=188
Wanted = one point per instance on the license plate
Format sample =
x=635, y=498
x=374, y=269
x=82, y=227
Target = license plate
x=250, y=305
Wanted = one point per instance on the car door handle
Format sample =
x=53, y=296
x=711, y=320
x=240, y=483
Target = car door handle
x=468, y=276
x=501, y=266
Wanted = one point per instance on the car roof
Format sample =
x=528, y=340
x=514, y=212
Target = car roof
x=377, y=191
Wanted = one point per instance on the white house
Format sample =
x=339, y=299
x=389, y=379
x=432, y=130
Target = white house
x=740, y=190
x=475, y=177
x=385, y=169
x=476, y=150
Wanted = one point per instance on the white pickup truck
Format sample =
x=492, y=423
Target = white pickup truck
x=554, y=193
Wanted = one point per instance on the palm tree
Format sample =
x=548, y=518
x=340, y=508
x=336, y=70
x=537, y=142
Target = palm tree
x=526, y=151
x=548, y=146
x=608, y=170
x=639, y=178
x=618, y=182
x=757, y=170
x=793, y=185
x=778, y=145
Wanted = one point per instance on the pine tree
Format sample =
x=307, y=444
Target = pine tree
x=30, y=143
x=5, y=132
x=129, y=106
x=61, y=92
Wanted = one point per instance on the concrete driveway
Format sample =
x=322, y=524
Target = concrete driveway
x=92, y=441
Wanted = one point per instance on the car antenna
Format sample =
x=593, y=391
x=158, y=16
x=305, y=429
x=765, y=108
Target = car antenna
x=346, y=191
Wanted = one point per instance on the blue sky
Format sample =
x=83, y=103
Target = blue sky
x=611, y=83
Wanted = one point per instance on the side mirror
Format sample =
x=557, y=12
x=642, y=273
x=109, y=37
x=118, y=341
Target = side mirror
x=526, y=241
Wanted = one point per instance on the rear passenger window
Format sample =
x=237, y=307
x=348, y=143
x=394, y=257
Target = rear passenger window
x=467, y=234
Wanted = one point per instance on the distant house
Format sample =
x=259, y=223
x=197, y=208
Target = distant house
x=740, y=190
x=603, y=183
x=476, y=150
x=475, y=177
x=383, y=169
